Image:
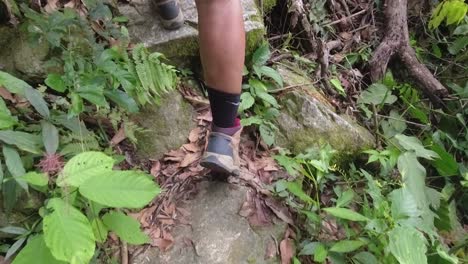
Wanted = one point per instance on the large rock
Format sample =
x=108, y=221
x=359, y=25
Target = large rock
x=219, y=234
x=18, y=55
x=145, y=28
x=307, y=120
x=166, y=126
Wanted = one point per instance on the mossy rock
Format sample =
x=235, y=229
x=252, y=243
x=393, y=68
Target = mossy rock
x=182, y=45
x=21, y=57
x=307, y=120
x=166, y=126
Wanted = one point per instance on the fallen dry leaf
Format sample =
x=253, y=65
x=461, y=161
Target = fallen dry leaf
x=162, y=244
x=281, y=211
x=191, y=147
x=287, y=250
x=205, y=116
x=119, y=136
x=195, y=134
x=189, y=159
x=156, y=168
x=5, y=94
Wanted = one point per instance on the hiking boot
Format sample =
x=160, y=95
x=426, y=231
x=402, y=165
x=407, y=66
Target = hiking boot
x=222, y=153
x=169, y=12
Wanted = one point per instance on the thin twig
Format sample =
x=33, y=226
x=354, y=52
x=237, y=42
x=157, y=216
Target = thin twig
x=292, y=87
x=123, y=252
x=344, y=18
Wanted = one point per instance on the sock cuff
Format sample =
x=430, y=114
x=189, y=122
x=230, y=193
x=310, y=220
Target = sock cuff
x=216, y=92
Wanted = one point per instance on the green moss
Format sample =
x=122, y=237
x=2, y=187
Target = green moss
x=183, y=47
x=254, y=39
x=267, y=5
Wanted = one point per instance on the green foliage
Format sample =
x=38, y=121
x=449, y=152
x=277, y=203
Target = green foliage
x=257, y=98
x=36, y=251
x=125, y=227
x=120, y=189
x=452, y=11
x=68, y=233
x=396, y=217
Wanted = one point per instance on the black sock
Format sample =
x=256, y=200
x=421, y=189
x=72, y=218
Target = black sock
x=224, y=107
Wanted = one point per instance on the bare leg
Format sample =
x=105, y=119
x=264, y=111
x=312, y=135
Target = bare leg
x=222, y=43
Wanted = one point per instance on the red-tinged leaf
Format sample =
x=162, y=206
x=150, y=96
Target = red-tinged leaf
x=287, y=250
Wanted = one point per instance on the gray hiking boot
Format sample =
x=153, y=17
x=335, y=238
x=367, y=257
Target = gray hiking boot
x=222, y=153
x=169, y=12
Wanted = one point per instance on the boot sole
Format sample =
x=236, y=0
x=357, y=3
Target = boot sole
x=213, y=163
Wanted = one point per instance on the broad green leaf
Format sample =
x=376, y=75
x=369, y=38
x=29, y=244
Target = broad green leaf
x=24, y=141
x=365, y=258
x=273, y=74
x=77, y=104
x=6, y=120
x=100, y=230
x=309, y=249
x=320, y=253
x=122, y=99
x=257, y=87
x=461, y=30
x=458, y=45
x=407, y=245
x=393, y=125
x=266, y=97
x=36, y=252
x=345, y=198
x=261, y=55
x=413, y=175
x=267, y=134
x=93, y=93
x=50, y=137
x=1, y=175
x=345, y=213
x=37, y=101
x=55, y=82
x=14, y=165
x=377, y=94
x=413, y=144
x=404, y=207
x=313, y=217
x=126, y=227
x=247, y=101
x=446, y=164
x=120, y=189
x=346, y=246
x=296, y=189
x=290, y=164
x=13, y=84
x=337, y=84
x=251, y=120
x=35, y=178
x=68, y=233
x=84, y=166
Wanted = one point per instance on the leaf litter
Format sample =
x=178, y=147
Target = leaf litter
x=178, y=173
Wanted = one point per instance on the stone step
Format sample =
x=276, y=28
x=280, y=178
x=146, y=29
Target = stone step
x=145, y=27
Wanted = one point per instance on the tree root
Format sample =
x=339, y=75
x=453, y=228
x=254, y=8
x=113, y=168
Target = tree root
x=396, y=42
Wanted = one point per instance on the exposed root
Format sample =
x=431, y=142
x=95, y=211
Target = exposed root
x=396, y=42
